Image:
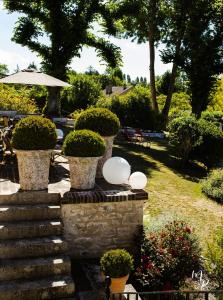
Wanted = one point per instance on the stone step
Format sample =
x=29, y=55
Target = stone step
x=30, y=229
x=38, y=247
x=9, y=213
x=31, y=197
x=34, y=268
x=48, y=288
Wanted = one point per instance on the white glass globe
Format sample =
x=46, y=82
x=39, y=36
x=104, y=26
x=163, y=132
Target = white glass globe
x=138, y=181
x=116, y=170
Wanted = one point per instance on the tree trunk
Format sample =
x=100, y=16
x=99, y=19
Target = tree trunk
x=53, y=101
x=152, y=72
x=166, y=107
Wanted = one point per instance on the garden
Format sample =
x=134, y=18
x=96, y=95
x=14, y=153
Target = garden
x=105, y=168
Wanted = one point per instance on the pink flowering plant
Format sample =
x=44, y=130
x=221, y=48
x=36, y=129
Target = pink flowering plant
x=168, y=257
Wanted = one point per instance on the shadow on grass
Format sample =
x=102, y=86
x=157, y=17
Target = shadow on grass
x=134, y=154
x=161, y=152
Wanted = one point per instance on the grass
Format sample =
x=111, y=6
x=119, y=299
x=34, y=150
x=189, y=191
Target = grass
x=173, y=192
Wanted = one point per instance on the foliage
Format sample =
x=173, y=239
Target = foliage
x=213, y=116
x=3, y=70
x=214, y=254
x=67, y=36
x=133, y=109
x=100, y=120
x=38, y=94
x=163, y=83
x=203, y=35
x=19, y=100
x=116, y=263
x=168, y=256
x=210, y=151
x=83, y=143
x=212, y=186
x=34, y=133
x=198, y=139
x=216, y=96
x=85, y=91
x=144, y=24
x=184, y=136
x=180, y=102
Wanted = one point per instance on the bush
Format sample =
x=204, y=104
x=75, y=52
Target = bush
x=214, y=255
x=85, y=91
x=210, y=151
x=83, y=143
x=212, y=186
x=116, y=263
x=213, y=116
x=184, y=136
x=34, y=133
x=100, y=120
x=133, y=109
x=12, y=99
x=168, y=256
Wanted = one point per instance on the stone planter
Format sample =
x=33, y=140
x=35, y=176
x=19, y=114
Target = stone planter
x=33, y=168
x=109, y=140
x=82, y=172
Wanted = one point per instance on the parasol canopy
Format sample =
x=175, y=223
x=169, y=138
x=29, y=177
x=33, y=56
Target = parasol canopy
x=31, y=77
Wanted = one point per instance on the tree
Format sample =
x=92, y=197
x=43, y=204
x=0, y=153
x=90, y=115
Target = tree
x=3, y=70
x=91, y=71
x=129, y=79
x=144, y=26
x=194, y=34
x=176, y=14
x=32, y=66
x=202, y=54
x=85, y=91
x=67, y=24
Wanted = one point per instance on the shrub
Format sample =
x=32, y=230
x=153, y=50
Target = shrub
x=133, y=109
x=214, y=262
x=184, y=136
x=85, y=91
x=116, y=263
x=168, y=256
x=100, y=120
x=212, y=186
x=12, y=99
x=210, y=151
x=213, y=116
x=34, y=133
x=84, y=143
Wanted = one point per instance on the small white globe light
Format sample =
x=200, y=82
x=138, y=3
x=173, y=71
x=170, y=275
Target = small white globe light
x=138, y=181
x=116, y=170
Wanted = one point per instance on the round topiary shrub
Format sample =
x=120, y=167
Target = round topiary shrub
x=83, y=143
x=34, y=133
x=116, y=263
x=212, y=186
x=100, y=120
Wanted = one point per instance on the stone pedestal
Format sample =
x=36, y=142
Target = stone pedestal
x=97, y=221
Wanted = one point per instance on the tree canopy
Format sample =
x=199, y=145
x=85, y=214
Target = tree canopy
x=58, y=29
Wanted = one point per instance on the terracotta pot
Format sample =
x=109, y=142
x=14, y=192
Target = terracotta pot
x=109, y=140
x=82, y=172
x=34, y=168
x=118, y=284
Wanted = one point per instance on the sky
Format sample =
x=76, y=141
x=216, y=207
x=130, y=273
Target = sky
x=135, y=56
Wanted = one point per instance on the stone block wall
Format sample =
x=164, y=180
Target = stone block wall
x=92, y=228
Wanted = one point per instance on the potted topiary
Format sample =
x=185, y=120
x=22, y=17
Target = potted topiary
x=117, y=264
x=83, y=149
x=34, y=138
x=104, y=122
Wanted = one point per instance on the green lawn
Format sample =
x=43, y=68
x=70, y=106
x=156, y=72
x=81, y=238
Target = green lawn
x=172, y=191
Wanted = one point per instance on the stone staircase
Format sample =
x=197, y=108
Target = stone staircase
x=33, y=261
